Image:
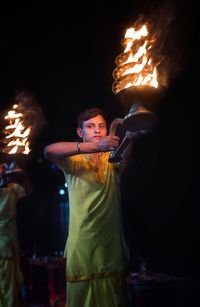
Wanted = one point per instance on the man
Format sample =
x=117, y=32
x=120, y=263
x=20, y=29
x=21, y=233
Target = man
x=96, y=253
x=11, y=278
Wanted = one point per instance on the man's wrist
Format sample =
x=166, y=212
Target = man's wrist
x=78, y=147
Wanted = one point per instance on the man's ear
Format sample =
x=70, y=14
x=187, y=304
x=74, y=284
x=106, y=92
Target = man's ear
x=79, y=132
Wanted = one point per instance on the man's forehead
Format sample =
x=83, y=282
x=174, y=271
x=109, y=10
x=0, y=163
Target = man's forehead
x=95, y=120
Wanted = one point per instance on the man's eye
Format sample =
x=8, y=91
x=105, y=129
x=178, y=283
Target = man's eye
x=102, y=126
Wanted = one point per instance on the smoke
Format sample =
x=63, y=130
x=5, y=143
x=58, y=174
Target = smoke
x=169, y=28
x=33, y=115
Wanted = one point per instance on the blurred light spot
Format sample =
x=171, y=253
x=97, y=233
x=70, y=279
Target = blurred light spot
x=61, y=191
x=53, y=166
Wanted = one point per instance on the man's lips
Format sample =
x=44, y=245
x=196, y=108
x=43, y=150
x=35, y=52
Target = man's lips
x=97, y=137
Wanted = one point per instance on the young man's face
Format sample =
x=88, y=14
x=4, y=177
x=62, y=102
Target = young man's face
x=93, y=129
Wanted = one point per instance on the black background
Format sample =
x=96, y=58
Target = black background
x=65, y=56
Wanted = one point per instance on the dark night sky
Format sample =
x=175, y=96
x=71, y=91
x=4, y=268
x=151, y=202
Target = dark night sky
x=66, y=57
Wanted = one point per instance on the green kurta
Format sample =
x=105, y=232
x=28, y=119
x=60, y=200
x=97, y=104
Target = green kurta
x=10, y=274
x=95, y=245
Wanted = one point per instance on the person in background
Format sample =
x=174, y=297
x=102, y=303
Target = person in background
x=96, y=252
x=11, y=278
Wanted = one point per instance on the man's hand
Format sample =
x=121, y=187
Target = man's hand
x=109, y=143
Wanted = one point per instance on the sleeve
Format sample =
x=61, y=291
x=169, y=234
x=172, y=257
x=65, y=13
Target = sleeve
x=70, y=164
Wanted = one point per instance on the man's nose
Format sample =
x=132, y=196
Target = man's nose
x=96, y=130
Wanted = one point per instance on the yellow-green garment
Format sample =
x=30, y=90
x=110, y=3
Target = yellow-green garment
x=95, y=245
x=10, y=274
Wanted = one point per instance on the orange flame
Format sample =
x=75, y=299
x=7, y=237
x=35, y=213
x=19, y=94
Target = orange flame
x=134, y=66
x=17, y=133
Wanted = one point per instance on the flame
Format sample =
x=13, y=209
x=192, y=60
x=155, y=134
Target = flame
x=134, y=66
x=16, y=133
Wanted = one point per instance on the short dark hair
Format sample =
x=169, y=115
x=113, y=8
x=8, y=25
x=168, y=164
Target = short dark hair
x=89, y=113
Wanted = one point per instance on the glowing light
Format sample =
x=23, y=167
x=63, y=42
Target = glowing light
x=17, y=135
x=135, y=66
x=62, y=191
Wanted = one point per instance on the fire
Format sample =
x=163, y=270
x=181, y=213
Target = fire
x=135, y=66
x=17, y=135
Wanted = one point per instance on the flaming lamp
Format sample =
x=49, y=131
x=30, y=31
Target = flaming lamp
x=16, y=143
x=136, y=84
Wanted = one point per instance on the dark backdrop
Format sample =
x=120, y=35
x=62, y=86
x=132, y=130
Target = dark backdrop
x=65, y=56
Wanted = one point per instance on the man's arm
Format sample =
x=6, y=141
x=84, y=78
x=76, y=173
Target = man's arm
x=60, y=150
